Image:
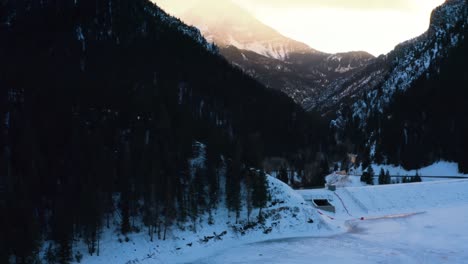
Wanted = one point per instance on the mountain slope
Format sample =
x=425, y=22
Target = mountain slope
x=405, y=103
x=408, y=61
x=100, y=104
x=303, y=77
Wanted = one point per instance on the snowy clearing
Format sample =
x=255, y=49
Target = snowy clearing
x=287, y=214
x=405, y=223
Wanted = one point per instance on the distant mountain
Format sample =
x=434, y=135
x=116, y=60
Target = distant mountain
x=303, y=76
x=277, y=61
x=227, y=24
x=406, y=106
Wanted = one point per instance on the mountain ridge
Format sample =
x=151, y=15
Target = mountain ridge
x=405, y=107
x=397, y=69
x=279, y=62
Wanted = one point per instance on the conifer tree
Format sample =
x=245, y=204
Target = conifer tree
x=368, y=176
x=283, y=175
x=388, y=178
x=233, y=180
x=125, y=213
x=259, y=190
x=417, y=178
x=324, y=171
x=382, y=179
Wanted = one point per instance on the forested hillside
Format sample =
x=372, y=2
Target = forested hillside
x=429, y=121
x=100, y=105
x=407, y=108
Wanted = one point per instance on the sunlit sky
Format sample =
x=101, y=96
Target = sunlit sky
x=375, y=26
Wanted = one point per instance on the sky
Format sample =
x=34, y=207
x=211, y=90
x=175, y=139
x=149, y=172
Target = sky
x=332, y=26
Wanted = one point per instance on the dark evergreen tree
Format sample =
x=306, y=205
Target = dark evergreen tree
x=283, y=175
x=384, y=177
x=233, y=182
x=388, y=178
x=324, y=171
x=259, y=190
x=417, y=178
x=345, y=164
x=368, y=176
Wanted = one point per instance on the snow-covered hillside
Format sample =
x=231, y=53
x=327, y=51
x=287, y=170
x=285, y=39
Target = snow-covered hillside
x=286, y=215
x=413, y=58
x=373, y=87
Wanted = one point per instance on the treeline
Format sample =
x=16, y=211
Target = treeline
x=385, y=177
x=100, y=104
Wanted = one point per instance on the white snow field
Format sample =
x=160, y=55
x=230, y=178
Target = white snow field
x=403, y=223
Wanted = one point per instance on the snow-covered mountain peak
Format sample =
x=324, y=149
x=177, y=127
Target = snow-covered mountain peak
x=230, y=25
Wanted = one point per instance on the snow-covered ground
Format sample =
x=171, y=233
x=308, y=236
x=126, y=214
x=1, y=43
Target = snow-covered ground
x=441, y=168
x=404, y=223
x=287, y=215
x=437, y=236
x=401, y=223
